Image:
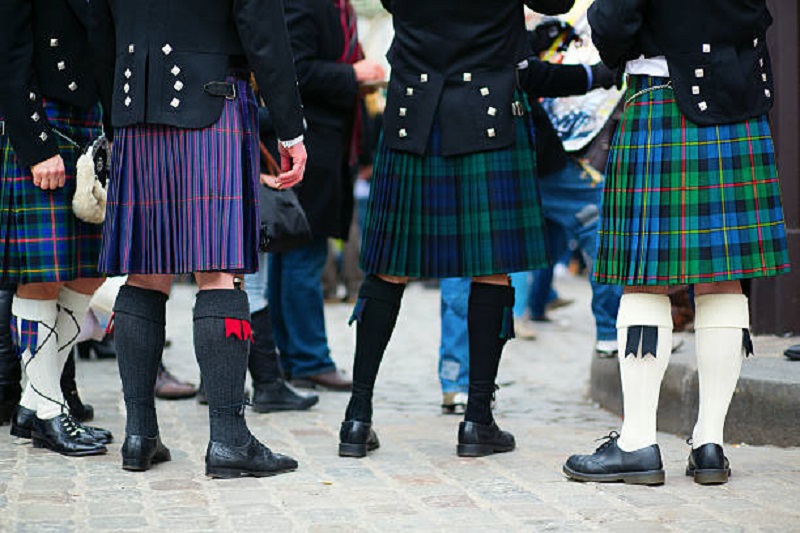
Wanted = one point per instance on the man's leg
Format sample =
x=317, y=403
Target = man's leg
x=454, y=346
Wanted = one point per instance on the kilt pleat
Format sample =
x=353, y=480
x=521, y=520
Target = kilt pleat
x=41, y=240
x=184, y=200
x=470, y=215
x=685, y=203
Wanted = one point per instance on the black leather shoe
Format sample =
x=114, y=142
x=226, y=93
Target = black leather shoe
x=609, y=464
x=22, y=422
x=708, y=465
x=140, y=453
x=63, y=435
x=224, y=461
x=280, y=396
x=356, y=438
x=479, y=440
x=10, y=393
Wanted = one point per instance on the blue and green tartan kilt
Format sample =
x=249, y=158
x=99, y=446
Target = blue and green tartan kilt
x=687, y=204
x=41, y=240
x=469, y=215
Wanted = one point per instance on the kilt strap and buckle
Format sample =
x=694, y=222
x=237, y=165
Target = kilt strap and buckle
x=221, y=88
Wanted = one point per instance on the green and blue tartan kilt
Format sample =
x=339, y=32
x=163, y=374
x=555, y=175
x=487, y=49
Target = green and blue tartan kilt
x=469, y=215
x=41, y=240
x=685, y=203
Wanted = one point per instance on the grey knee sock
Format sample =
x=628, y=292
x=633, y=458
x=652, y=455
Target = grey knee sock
x=222, y=338
x=139, y=332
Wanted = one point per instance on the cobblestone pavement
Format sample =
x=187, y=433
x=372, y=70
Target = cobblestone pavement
x=415, y=481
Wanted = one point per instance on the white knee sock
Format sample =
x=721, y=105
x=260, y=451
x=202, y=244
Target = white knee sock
x=641, y=373
x=720, y=322
x=40, y=355
x=72, y=309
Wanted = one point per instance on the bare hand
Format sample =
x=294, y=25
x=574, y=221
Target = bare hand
x=293, y=165
x=270, y=181
x=369, y=71
x=49, y=174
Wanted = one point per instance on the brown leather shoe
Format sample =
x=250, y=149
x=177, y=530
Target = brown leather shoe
x=168, y=387
x=333, y=380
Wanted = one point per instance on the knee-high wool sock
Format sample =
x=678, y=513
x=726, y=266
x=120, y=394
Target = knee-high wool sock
x=139, y=332
x=222, y=336
x=644, y=333
x=38, y=338
x=721, y=326
x=376, y=313
x=72, y=309
x=490, y=323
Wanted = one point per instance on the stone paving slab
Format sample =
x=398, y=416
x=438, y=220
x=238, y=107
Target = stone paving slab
x=415, y=482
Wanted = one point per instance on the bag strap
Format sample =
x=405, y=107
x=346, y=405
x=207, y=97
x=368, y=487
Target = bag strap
x=272, y=166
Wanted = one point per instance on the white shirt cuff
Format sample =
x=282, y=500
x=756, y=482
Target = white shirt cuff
x=288, y=144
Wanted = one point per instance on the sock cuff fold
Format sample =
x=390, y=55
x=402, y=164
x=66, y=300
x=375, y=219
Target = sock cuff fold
x=146, y=304
x=721, y=311
x=376, y=288
x=222, y=303
x=491, y=294
x=35, y=310
x=644, y=310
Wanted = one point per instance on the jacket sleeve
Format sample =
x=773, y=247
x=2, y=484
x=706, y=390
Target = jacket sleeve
x=262, y=30
x=320, y=80
x=615, y=29
x=387, y=5
x=30, y=135
x=550, y=80
x=550, y=7
x=104, y=45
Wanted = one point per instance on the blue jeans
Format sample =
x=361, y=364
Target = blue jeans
x=454, y=347
x=571, y=201
x=298, y=317
x=255, y=285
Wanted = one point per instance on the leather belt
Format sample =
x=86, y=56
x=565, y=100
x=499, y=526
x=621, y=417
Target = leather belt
x=221, y=88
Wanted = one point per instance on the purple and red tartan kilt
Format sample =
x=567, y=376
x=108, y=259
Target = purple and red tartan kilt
x=185, y=200
x=685, y=203
x=41, y=240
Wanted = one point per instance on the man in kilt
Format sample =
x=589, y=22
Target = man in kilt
x=183, y=198
x=692, y=198
x=52, y=111
x=453, y=194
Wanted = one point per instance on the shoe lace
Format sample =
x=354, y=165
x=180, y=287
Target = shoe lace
x=72, y=426
x=608, y=440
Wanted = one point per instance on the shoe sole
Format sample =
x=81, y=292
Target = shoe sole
x=481, y=450
x=43, y=444
x=347, y=449
x=458, y=409
x=20, y=433
x=648, y=477
x=307, y=384
x=709, y=476
x=235, y=473
x=277, y=407
x=138, y=464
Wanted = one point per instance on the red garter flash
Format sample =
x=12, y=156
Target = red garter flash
x=238, y=328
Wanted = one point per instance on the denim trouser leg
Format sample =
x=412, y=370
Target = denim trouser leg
x=295, y=294
x=255, y=285
x=454, y=348
x=541, y=290
x=519, y=280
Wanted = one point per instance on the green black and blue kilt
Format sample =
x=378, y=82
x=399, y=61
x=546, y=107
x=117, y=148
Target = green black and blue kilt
x=685, y=203
x=41, y=240
x=469, y=215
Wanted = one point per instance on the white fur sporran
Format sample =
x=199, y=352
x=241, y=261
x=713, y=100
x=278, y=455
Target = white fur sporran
x=89, y=202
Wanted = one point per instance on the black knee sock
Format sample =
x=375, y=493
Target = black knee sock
x=490, y=323
x=222, y=336
x=264, y=363
x=139, y=332
x=376, y=314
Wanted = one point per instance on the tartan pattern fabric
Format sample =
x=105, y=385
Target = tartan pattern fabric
x=185, y=200
x=472, y=215
x=41, y=240
x=688, y=204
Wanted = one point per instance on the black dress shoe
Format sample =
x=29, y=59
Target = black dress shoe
x=225, y=461
x=22, y=422
x=63, y=435
x=356, y=438
x=793, y=352
x=609, y=464
x=280, y=396
x=708, y=465
x=479, y=440
x=10, y=393
x=140, y=453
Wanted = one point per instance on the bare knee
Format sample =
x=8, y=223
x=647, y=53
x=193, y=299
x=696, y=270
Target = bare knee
x=85, y=285
x=721, y=287
x=643, y=289
x=393, y=279
x=153, y=282
x=39, y=291
x=495, y=279
x=214, y=280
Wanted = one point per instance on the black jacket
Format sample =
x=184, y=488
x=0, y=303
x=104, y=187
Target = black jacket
x=330, y=93
x=716, y=51
x=456, y=60
x=46, y=54
x=158, y=55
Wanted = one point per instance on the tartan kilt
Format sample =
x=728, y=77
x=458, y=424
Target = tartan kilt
x=687, y=204
x=41, y=240
x=469, y=215
x=185, y=200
